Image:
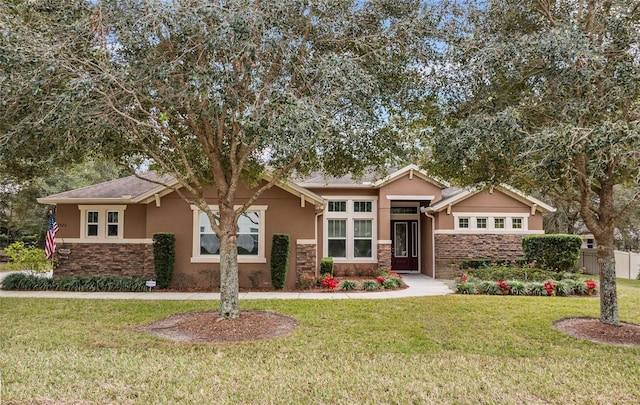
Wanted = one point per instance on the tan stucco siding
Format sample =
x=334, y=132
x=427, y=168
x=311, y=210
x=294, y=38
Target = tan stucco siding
x=491, y=202
x=284, y=214
x=411, y=187
x=404, y=186
x=485, y=202
x=68, y=219
x=135, y=220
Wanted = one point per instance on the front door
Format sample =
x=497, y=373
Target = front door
x=404, y=245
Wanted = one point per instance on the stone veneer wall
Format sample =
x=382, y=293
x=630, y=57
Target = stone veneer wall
x=305, y=259
x=108, y=259
x=384, y=256
x=451, y=250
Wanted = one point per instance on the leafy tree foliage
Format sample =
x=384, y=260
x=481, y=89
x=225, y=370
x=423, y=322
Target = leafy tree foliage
x=216, y=92
x=21, y=214
x=547, y=96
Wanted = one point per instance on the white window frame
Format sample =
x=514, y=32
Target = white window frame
x=103, y=225
x=513, y=219
x=491, y=217
x=330, y=238
x=350, y=216
x=196, y=257
x=458, y=219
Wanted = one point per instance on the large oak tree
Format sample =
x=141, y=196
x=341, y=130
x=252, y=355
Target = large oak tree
x=547, y=95
x=215, y=93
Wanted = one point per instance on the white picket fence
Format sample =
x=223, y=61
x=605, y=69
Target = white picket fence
x=627, y=263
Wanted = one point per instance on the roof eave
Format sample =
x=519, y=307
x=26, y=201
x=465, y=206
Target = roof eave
x=56, y=201
x=411, y=169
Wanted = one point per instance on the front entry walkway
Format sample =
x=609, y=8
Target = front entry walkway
x=419, y=286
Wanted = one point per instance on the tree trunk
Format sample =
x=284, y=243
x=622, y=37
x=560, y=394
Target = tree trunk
x=608, y=294
x=228, y=266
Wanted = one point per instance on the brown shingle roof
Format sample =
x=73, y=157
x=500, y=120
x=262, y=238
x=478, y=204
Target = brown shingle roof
x=133, y=186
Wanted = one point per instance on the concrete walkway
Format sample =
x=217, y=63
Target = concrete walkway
x=419, y=286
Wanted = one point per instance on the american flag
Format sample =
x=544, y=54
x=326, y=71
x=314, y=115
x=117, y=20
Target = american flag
x=50, y=243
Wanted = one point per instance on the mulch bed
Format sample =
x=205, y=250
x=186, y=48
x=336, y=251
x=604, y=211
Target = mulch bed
x=198, y=327
x=592, y=329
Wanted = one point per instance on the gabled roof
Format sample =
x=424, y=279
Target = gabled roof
x=131, y=189
x=143, y=188
x=453, y=195
x=317, y=180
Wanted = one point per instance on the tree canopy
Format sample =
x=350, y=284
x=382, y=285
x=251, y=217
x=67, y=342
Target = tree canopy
x=547, y=96
x=215, y=93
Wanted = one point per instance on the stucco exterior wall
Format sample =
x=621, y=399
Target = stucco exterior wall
x=485, y=202
x=402, y=186
x=68, y=220
x=284, y=215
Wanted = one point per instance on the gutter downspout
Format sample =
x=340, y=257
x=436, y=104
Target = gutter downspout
x=433, y=239
x=315, y=232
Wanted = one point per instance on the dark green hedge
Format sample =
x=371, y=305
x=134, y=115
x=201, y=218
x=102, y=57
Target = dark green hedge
x=553, y=252
x=279, y=259
x=326, y=265
x=499, y=273
x=164, y=254
x=479, y=263
x=27, y=282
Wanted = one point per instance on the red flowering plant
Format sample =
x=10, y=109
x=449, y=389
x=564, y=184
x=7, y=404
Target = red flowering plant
x=550, y=286
x=503, y=286
x=330, y=283
x=464, y=277
x=591, y=286
x=380, y=279
x=394, y=274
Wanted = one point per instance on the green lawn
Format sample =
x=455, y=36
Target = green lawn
x=452, y=349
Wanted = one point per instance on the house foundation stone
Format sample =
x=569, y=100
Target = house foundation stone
x=384, y=256
x=452, y=250
x=305, y=259
x=108, y=259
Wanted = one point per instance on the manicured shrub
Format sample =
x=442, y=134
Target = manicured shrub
x=562, y=288
x=516, y=287
x=489, y=287
x=370, y=285
x=467, y=287
x=390, y=283
x=306, y=281
x=497, y=273
x=536, y=288
x=164, y=253
x=558, y=253
x=348, y=285
x=28, y=282
x=479, y=263
x=25, y=257
x=279, y=259
x=326, y=266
